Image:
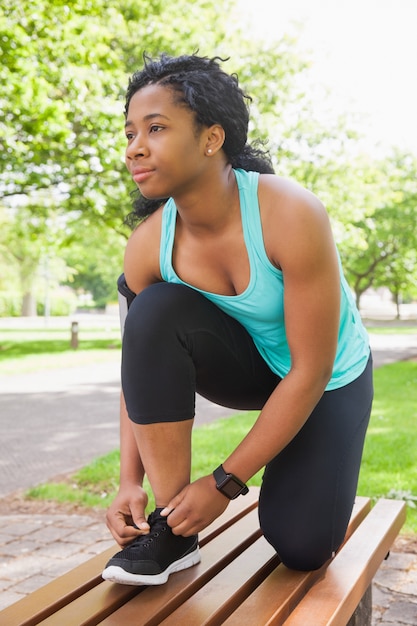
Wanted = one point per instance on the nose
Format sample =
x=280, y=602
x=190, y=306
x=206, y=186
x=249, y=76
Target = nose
x=136, y=148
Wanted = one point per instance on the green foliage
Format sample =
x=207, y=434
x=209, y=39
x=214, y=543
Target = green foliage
x=64, y=192
x=95, y=269
x=58, y=305
x=64, y=68
x=380, y=249
x=10, y=304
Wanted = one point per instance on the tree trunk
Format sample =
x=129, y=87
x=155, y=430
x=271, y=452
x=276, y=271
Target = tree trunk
x=28, y=305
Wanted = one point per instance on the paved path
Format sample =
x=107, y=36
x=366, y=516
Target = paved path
x=56, y=422
x=63, y=419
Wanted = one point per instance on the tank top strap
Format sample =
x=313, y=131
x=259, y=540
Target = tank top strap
x=251, y=219
x=169, y=218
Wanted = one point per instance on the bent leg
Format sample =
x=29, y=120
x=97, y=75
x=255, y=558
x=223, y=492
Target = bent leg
x=176, y=342
x=309, y=489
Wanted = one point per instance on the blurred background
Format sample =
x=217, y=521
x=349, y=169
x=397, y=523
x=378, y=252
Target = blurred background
x=333, y=93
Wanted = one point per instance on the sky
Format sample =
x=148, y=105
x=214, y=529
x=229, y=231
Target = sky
x=365, y=51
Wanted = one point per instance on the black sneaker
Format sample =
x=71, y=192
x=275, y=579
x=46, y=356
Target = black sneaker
x=151, y=558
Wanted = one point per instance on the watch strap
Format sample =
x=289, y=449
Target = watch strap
x=228, y=484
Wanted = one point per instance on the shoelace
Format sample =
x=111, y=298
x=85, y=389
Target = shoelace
x=158, y=524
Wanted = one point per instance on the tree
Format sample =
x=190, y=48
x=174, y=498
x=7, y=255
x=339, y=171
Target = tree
x=63, y=69
x=31, y=235
x=95, y=267
x=381, y=249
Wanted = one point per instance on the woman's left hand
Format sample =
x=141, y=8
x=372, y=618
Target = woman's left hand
x=195, y=507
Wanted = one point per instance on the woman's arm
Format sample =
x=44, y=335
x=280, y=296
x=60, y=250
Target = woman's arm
x=299, y=241
x=129, y=506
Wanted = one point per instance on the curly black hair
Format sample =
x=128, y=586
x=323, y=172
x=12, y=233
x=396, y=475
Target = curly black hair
x=215, y=97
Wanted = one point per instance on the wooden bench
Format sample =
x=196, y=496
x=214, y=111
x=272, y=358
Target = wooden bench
x=239, y=581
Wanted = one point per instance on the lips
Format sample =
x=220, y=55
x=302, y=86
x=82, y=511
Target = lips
x=140, y=174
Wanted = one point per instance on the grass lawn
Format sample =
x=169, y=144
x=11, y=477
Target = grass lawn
x=29, y=350
x=389, y=466
x=390, y=330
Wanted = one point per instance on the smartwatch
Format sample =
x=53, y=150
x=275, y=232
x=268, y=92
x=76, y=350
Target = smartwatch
x=228, y=484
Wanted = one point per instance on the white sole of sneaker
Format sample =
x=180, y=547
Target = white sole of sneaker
x=116, y=574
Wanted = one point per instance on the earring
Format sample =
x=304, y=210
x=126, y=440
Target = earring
x=209, y=151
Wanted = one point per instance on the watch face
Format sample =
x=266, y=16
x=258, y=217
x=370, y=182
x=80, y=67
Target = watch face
x=228, y=484
x=231, y=489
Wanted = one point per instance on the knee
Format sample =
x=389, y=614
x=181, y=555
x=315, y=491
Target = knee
x=298, y=547
x=156, y=309
x=155, y=302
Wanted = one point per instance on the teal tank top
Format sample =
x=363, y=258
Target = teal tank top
x=260, y=308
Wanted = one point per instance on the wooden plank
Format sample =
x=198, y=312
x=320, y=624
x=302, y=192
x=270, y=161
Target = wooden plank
x=45, y=601
x=333, y=599
x=236, y=509
x=103, y=601
x=212, y=604
x=283, y=589
x=94, y=605
x=156, y=603
x=238, y=581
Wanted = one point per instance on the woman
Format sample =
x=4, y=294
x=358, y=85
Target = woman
x=236, y=292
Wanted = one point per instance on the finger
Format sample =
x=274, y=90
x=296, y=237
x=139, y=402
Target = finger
x=122, y=537
x=181, y=520
x=122, y=531
x=141, y=524
x=173, y=504
x=176, y=516
x=185, y=530
x=167, y=510
x=125, y=541
x=137, y=513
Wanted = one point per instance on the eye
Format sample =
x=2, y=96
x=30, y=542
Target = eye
x=155, y=128
x=130, y=136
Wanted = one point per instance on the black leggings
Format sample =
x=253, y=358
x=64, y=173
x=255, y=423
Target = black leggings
x=177, y=342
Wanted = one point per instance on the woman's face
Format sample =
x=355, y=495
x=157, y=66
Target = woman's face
x=165, y=152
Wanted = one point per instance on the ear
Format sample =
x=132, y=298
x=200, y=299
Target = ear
x=214, y=139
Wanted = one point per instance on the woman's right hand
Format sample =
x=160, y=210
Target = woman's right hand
x=126, y=515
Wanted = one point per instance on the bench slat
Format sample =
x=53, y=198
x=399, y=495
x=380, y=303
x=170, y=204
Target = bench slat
x=335, y=597
x=283, y=589
x=224, y=593
x=157, y=603
x=239, y=582
x=104, y=600
x=236, y=510
x=57, y=594
x=90, y=608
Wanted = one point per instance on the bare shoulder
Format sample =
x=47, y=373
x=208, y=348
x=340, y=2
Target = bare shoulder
x=141, y=261
x=282, y=195
x=293, y=219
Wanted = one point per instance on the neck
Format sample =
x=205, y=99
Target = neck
x=213, y=206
